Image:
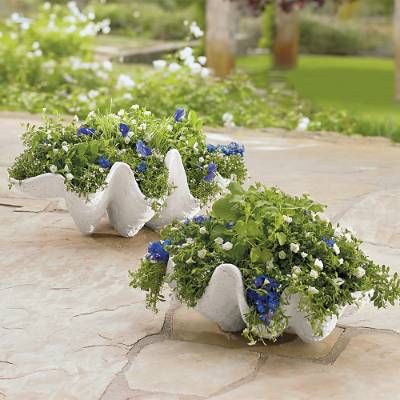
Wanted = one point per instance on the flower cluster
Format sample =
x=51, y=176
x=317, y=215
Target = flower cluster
x=232, y=148
x=282, y=247
x=83, y=152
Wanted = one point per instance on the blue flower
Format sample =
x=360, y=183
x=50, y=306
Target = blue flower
x=141, y=167
x=104, y=162
x=200, y=219
x=229, y=225
x=211, y=148
x=329, y=242
x=156, y=252
x=142, y=149
x=211, y=172
x=179, y=114
x=232, y=149
x=124, y=129
x=84, y=130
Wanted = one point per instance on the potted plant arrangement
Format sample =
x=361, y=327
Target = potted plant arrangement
x=263, y=263
x=138, y=168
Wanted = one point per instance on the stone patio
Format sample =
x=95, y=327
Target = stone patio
x=72, y=329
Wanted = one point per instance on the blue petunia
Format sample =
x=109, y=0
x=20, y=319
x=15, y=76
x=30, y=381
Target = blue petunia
x=211, y=172
x=141, y=167
x=329, y=242
x=142, y=149
x=179, y=114
x=156, y=252
x=231, y=149
x=104, y=162
x=200, y=219
x=84, y=130
x=211, y=148
x=124, y=129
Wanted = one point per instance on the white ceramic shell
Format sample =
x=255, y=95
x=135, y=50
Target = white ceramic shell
x=224, y=302
x=127, y=208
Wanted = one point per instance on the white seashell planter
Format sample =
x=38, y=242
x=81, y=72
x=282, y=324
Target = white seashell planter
x=127, y=208
x=224, y=302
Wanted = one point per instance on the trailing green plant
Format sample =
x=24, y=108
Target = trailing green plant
x=281, y=245
x=83, y=152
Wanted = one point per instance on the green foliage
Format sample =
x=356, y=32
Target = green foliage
x=57, y=147
x=279, y=236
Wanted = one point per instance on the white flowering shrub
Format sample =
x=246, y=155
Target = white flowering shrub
x=83, y=152
x=281, y=245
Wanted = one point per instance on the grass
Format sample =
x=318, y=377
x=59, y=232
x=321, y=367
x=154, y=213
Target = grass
x=364, y=86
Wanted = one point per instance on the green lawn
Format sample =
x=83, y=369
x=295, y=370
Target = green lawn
x=361, y=85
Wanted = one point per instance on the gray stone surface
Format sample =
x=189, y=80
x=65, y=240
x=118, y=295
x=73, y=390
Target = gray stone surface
x=71, y=328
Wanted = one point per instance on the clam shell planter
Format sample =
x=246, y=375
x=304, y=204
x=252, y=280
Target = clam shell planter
x=224, y=302
x=127, y=208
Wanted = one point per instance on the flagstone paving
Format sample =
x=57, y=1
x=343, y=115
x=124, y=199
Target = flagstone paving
x=72, y=329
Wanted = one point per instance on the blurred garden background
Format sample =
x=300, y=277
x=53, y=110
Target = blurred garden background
x=306, y=65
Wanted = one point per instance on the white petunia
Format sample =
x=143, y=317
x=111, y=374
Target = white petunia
x=319, y=264
x=125, y=82
x=287, y=219
x=219, y=240
x=195, y=30
x=303, y=123
x=135, y=107
x=227, y=246
x=202, y=253
x=314, y=274
x=173, y=67
x=159, y=64
x=202, y=60
x=53, y=169
x=203, y=230
x=189, y=240
x=205, y=73
x=312, y=290
x=69, y=176
x=142, y=126
x=186, y=53
x=336, y=249
x=303, y=254
x=360, y=272
x=147, y=113
x=201, y=159
x=294, y=247
x=338, y=281
x=341, y=261
x=347, y=236
x=121, y=113
x=296, y=270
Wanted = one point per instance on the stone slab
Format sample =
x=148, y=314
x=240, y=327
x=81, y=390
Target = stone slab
x=190, y=325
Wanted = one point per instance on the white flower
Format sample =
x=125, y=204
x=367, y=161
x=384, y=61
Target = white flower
x=107, y=65
x=341, y=261
x=196, y=68
x=55, y=151
x=173, y=67
x=347, y=235
x=296, y=270
x=195, y=30
x=360, y=272
x=127, y=139
x=202, y=253
x=53, y=169
x=170, y=128
x=227, y=246
x=338, y=281
x=147, y=113
x=314, y=274
x=219, y=240
x=159, y=64
x=142, y=126
x=319, y=264
x=287, y=219
x=121, y=113
x=303, y=254
x=186, y=53
x=69, y=176
x=125, y=81
x=303, y=124
x=135, y=107
x=189, y=240
x=189, y=260
x=202, y=60
x=201, y=159
x=282, y=255
x=35, y=45
x=312, y=290
x=205, y=73
x=336, y=249
x=227, y=119
x=338, y=231
x=203, y=230
x=294, y=247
